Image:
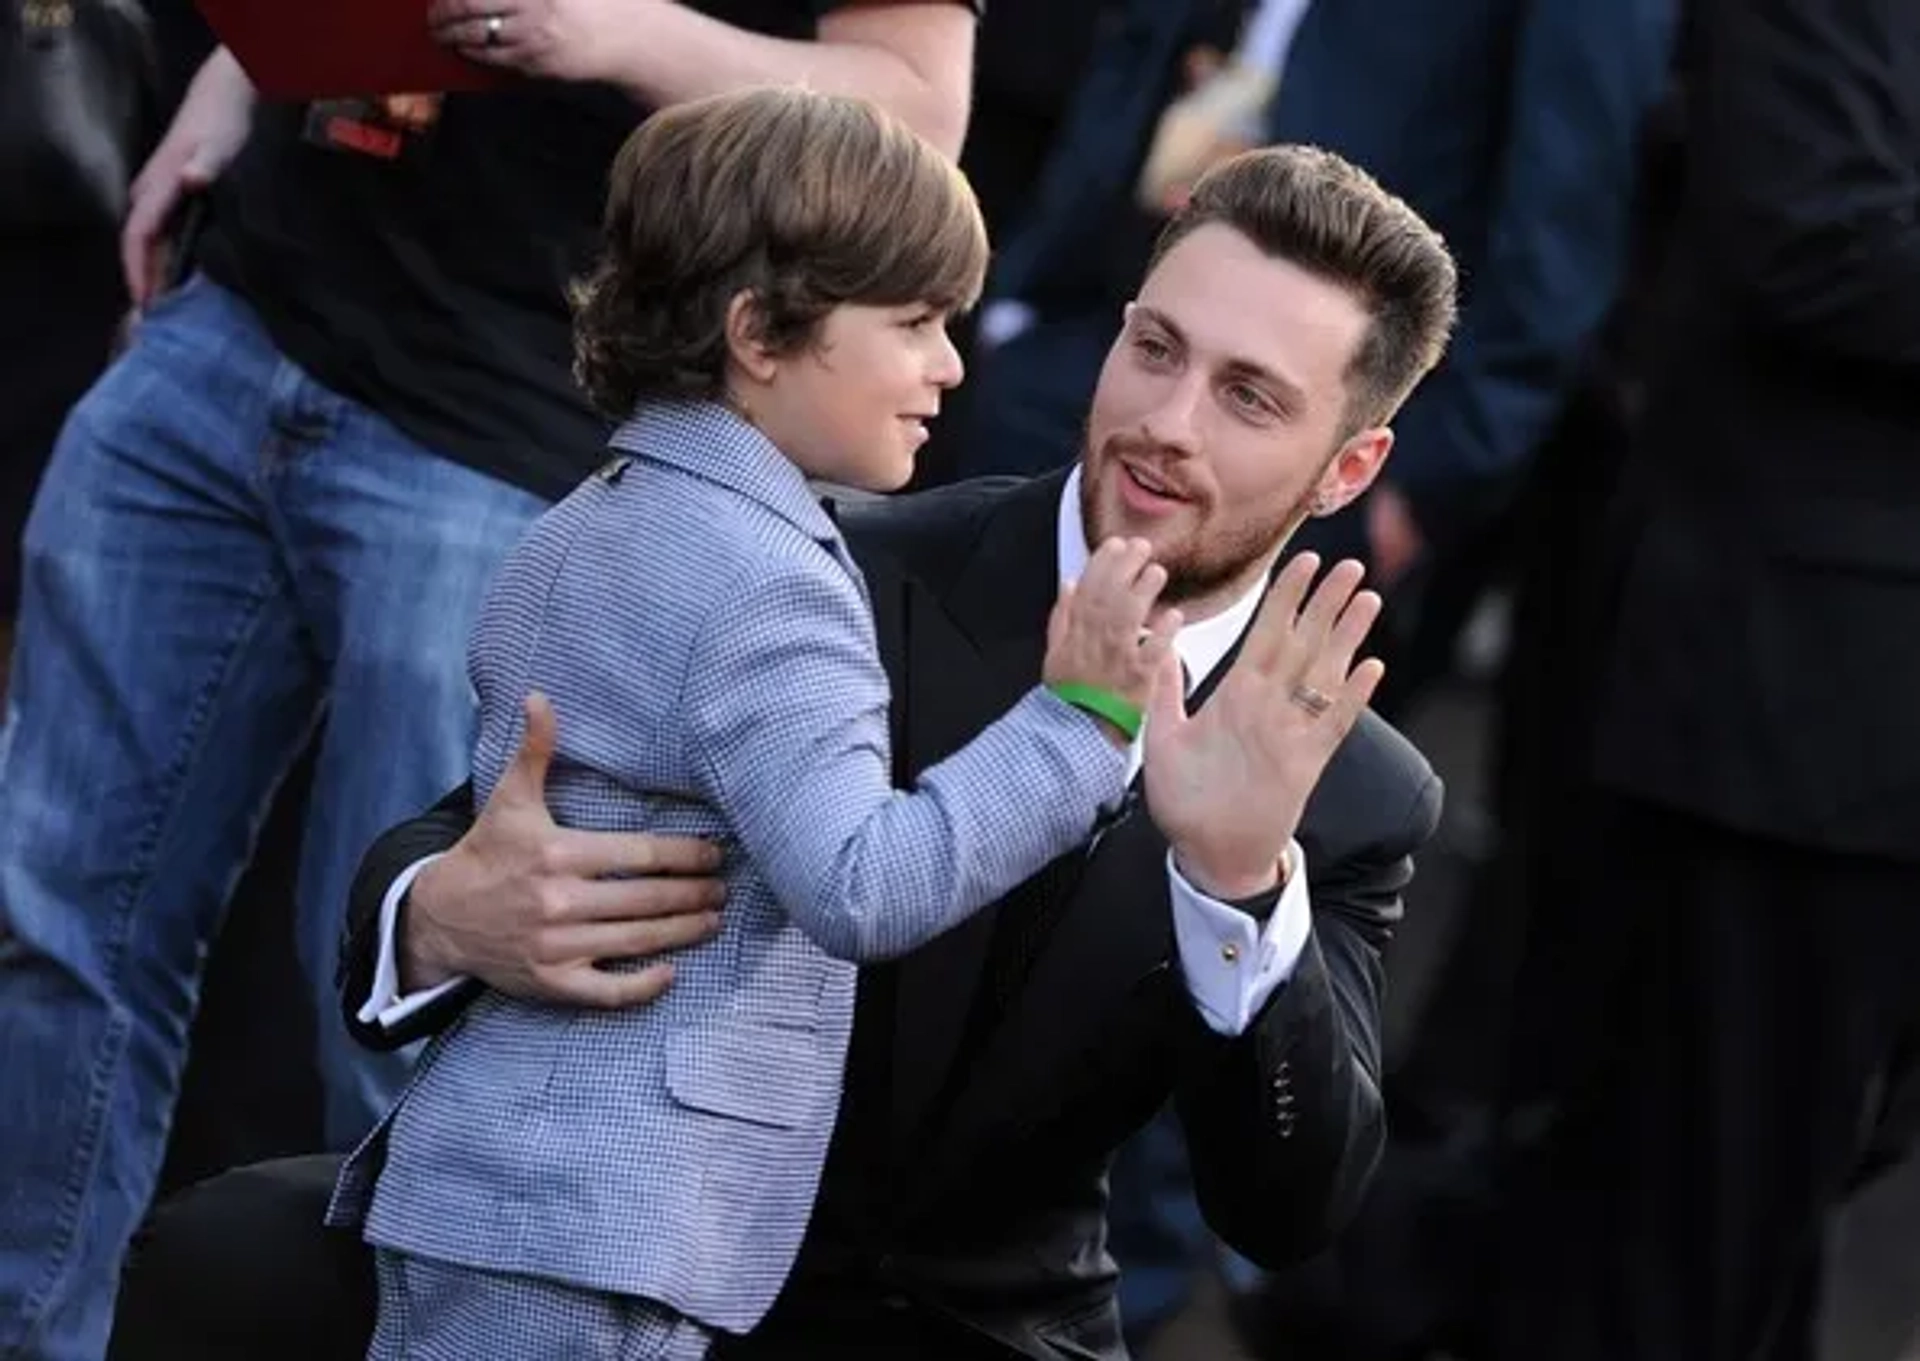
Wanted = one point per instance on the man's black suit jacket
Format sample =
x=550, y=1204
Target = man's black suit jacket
x=1766, y=665
x=1017, y=1052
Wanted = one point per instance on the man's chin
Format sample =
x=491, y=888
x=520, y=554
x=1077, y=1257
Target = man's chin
x=1188, y=577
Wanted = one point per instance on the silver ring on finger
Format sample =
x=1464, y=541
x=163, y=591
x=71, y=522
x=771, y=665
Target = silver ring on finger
x=495, y=23
x=1315, y=702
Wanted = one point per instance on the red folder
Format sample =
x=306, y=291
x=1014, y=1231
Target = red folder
x=321, y=49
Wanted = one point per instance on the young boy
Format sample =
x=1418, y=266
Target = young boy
x=771, y=307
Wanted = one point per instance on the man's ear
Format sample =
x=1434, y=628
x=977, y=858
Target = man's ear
x=746, y=338
x=1352, y=469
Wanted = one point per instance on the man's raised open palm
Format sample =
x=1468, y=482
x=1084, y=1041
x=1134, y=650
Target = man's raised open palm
x=1227, y=785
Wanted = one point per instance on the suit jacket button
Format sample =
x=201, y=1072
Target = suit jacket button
x=897, y=1303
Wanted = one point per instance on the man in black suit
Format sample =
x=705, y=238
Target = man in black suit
x=1758, y=888
x=1218, y=940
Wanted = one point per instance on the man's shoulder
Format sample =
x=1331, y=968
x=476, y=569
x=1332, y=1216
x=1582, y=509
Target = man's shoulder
x=1377, y=743
x=1379, y=797
x=926, y=534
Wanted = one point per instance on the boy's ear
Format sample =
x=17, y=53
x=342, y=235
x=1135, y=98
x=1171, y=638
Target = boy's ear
x=746, y=338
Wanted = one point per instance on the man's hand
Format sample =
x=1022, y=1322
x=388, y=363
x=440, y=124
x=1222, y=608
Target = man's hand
x=1228, y=785
x=207, y=133
x=528, y=907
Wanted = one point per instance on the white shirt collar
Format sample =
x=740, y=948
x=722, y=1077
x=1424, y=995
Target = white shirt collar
x=1201, y=644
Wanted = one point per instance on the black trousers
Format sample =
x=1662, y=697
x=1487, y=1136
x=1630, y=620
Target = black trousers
x=1763, y=1009
x=241, y=1268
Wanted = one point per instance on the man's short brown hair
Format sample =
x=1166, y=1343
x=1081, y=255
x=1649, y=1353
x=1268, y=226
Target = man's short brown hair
x=805, y=200
x=1313, y=209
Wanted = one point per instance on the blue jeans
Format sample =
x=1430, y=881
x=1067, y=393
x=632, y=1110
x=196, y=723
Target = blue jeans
x=1154, y=1228
x=221, y=554
x=1157, y=1234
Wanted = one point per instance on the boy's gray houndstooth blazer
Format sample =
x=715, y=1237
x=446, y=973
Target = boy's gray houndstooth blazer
x=706, y=641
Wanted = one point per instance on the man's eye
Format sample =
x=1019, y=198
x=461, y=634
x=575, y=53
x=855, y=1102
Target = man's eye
x=1249, y=400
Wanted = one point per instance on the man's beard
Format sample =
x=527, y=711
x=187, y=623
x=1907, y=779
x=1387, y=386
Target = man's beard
x=1209, y=558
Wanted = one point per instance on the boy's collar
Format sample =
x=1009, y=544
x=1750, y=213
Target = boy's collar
x=711, y=440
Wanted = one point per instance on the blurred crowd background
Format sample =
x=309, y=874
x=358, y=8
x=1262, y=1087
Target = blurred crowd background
x=1571, y=152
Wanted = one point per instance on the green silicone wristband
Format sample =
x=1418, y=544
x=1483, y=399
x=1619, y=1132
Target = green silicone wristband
x=1117, y=710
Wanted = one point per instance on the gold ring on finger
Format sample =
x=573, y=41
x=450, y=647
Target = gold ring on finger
x=1315, y=702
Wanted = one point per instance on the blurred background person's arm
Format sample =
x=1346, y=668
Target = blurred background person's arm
x=1548, y=265
x=1225, y=111
x=914, y=57
x=207, y=133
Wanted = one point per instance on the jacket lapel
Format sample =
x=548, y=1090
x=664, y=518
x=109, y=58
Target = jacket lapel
x=970, y=651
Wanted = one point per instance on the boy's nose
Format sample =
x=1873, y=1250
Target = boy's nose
x=948, y=368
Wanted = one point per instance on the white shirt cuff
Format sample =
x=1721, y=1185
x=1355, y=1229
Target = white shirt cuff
x=1233, y=965
x=385, y=1007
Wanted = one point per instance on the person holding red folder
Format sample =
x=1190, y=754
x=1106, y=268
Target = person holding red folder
x=282, y=506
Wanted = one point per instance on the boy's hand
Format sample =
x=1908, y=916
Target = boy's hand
x=1105, y=630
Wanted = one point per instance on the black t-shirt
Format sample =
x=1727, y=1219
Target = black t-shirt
x=431, y=288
